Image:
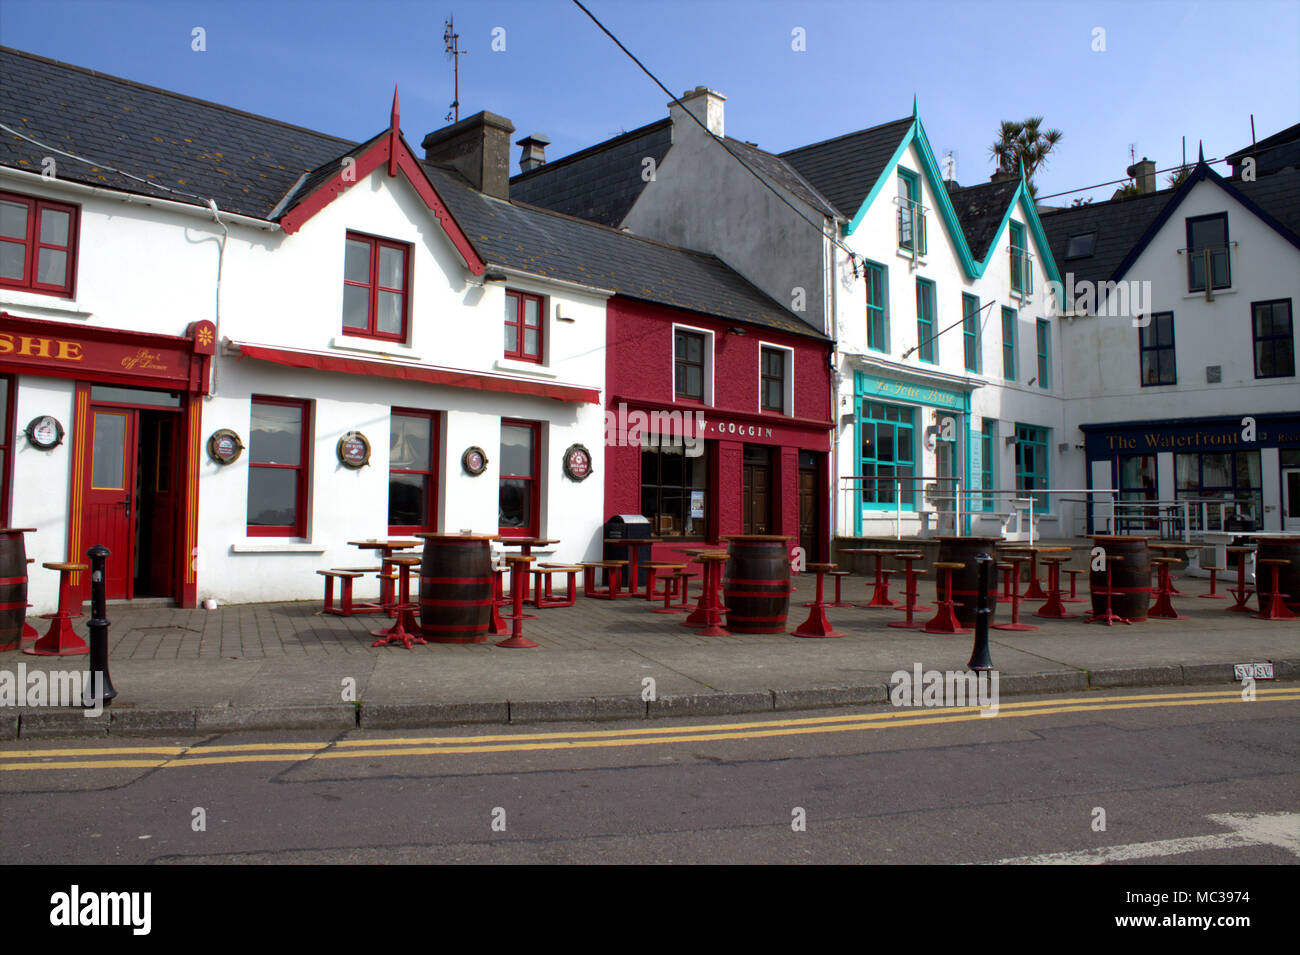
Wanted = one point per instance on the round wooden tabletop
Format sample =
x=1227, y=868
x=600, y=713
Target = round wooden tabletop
x=55, y=565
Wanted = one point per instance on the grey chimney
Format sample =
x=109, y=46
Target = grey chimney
x=1144, y=174
x=534, y=154
x=478, y=148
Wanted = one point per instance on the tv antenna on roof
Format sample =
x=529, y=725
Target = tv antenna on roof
x=451, y=41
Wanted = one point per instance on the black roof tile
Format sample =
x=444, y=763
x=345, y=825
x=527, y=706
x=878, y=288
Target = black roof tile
x=980, y=210
x=845, y=168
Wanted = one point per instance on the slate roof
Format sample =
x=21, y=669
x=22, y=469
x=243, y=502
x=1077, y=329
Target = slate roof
x=600, y=183
x=1121, y=223
x=1271, y=153
x=845, y=168
x=980, y=210
x=543, y=242
x=245, y=162
x=249, y=164
x=778, y=171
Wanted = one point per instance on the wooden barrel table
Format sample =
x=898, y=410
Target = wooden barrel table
x=455, y=588
x=756, y=588
x=1131, y=577
x=13, y=586
x=1288, y=575
x=966, y=582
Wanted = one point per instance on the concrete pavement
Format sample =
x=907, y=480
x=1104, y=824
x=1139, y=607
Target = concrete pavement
x=287, y=666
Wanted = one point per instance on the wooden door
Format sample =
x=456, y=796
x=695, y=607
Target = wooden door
x=155, y=543
x=808, y=515
x=758, y=499
x=109, y=512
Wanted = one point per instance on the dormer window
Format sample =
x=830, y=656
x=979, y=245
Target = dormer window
x=376, y=287
x=524, y=333
x=38, y=245
x=1022, y=275
x=1207, y=253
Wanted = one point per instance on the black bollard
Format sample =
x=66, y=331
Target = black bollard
x=98, y=626
x=979, y=657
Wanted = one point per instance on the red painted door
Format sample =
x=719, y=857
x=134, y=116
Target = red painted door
x=109, y=509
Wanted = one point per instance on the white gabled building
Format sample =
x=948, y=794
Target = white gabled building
x=1180, y=345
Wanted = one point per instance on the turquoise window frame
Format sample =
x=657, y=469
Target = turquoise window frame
x=1019, y=261
x=868, y=406
x=912, y=182
x=927, y=345
x=877, y=280
x=970, y=324
x=988, y=469
x=1032, y=438
x=1044, y=353
x=1010, y=319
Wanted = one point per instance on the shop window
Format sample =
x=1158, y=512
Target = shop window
x=38, y=245
x=1220, y=485
x=1044, y=353
x=1156, y=347
x=1137, y=494
x=376, y=287
x=524, y=328
x=1207, y=253
x=774, y=378
x=1032, y=470
x=925, y=337
x=970, y=321
x=412, y=471
x=278, y=467
x=886, y=451
x=6, y=444
x=877, y=306
x=1009, y=321
x=1274, y=338
x=988, y=463
x=519, y=495
x=674, y=490
x=692, y=365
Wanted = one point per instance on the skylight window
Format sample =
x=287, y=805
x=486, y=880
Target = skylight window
x=1080, y=245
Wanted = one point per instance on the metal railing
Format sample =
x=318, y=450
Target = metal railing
x=1022, y=273
x=911, y=226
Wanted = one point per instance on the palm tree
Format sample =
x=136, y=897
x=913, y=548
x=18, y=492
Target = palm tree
x=1023, y=143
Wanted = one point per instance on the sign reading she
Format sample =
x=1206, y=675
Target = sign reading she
x=29, y=346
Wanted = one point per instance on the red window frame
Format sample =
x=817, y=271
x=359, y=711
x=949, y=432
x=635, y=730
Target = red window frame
x=303, y=467
x=32, y=245
x=520, y=323
x=373, y=288
x=7, y=444
x=534, y=486
x=431, y=472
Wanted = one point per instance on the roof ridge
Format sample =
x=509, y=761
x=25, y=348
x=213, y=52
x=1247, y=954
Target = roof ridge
x=1112, y=199
x=835, y=139
x=589, y=150
x=172, y=93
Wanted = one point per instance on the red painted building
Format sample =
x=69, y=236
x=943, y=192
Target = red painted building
x=716, y=426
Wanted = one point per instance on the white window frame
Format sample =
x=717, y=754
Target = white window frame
x=787, y=397
x=709, y=352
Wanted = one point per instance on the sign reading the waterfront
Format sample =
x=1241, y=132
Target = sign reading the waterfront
x=1208, y=436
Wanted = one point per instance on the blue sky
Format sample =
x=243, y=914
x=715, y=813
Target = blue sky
x=1169, y=69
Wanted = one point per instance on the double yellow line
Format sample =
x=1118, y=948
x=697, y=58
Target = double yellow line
x=171, y=757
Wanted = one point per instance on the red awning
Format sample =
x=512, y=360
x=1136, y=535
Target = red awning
x=410, y=371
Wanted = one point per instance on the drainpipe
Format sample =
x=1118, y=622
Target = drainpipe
x=216, y=318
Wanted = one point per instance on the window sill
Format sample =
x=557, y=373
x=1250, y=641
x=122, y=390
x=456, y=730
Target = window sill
x=919, y=259
x=40, y=302
x=1216, y=292
x=374, y=346
x=523, y=368
x=273, y=546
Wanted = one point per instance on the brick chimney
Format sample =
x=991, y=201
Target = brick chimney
x=534, y=154
x=1144, y=174
x=477, y=147
x=705, y=104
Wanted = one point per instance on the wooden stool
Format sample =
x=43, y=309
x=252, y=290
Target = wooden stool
x=839, y=575
x=496, y=625
x=548, y=571
x=652, y=568
x=59, y=639
x=30, y=633
x=945, y=620
x=1109, y=617
x=1053, y=609
x=1276, y=608
x=1214, y=593
x=880, y=590
x=710, y=609
x=675, y=584
x=1243, y=593
x=817, y=625
x=1164, y=608
x=345, y=577
x=910, y=595
x=518, y=581
x=1074, y=597
x=907, y=559
x=407, y=630
x=1011, y=575
x=612, y=568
